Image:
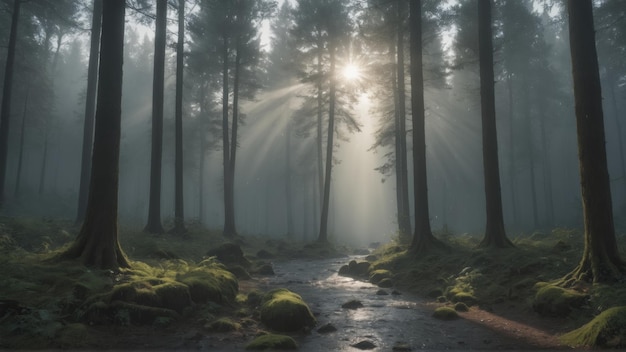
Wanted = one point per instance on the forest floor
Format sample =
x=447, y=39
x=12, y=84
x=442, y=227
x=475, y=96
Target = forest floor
x=38, y=308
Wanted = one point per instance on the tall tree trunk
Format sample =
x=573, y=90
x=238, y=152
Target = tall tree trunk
x=529, y=148
x=547, y=172
x=320, y=103
x=405, y=217
x=229, y=219
x=90, y=107
x=179, y=217
x=323, y=235
x=423, y=239
x=97, y=243
x=5, y=111
x=512, y=157
x=618, y=123
x=288, y=193
x=154, y=207
x=20, y=159
x=600, y=262
x=44, y=161
x=495, y=235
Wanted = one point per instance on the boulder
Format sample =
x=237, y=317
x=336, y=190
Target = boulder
x=285, y=311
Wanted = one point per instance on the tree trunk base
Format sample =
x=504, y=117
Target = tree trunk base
x=428, y=245
x=606, y=270
x=94, y=251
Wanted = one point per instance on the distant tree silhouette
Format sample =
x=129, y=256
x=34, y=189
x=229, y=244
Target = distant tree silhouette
x=179, y=214
x=154, y=206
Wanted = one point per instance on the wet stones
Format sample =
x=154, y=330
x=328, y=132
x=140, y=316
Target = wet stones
x=355, y=269
x=352, y=304
x=327, y=328
x=364, y=345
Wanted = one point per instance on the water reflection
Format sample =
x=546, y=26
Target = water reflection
x=384, y=320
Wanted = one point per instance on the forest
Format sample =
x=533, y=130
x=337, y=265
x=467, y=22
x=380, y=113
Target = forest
x=312, y=174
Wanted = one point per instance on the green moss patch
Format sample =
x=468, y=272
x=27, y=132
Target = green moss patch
x=607, y=330
x=552, y=300
x=223, y=325
x=210, y=284
x=272, y=341
x=445, y=313
x=283, y=310
x=377, y=276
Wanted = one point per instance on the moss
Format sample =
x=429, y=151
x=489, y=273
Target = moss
x=385, y=283
x=173, y=295
x=552, y=300
x=223, y=325
x=461, y=307
x=125, y=313
x=210, y=284
x=272, y=341
x=606, y=330
x=445, y=313
x=377, y=276
x=240, y=272
x=283, y=310
x=464, y=297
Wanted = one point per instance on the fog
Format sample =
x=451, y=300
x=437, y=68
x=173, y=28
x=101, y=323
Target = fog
x=536, y=133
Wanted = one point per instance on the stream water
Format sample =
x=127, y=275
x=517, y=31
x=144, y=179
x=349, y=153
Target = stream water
x=390, y=322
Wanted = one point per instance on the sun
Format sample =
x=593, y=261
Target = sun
x=351, y=72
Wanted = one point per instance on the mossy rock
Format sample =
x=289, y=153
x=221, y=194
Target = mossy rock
x=229, y=253
x=273, y=342
x=385, y=283
x=223, y=325
x=445, y=313
x=283, y=310
x=240, y=272
x=174, y=295
x=124, y=313
x=464, y=297
x=461, y=307
x=210, y=284
x=377, y=276
x=556, y=301
x=607, y=330
x=167, y=294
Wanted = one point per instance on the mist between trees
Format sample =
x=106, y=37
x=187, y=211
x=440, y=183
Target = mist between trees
x=256, y=101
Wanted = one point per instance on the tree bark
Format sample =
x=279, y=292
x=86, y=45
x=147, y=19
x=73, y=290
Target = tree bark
x=97, y=242
x=600, y=262
x=529, y=148
x=229, y=217
x=320, y=103
x=423, y=239
x=20, y=159
x=154, y=206
x=404, y=217
x=495, y=235
x=5, y=111
x=179, y=217
x=288, y=192
x=90, y=107
x=512, y=171
x=323, y=235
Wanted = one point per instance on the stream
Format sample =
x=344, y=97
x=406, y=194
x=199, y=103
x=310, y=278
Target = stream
x=390, y=322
